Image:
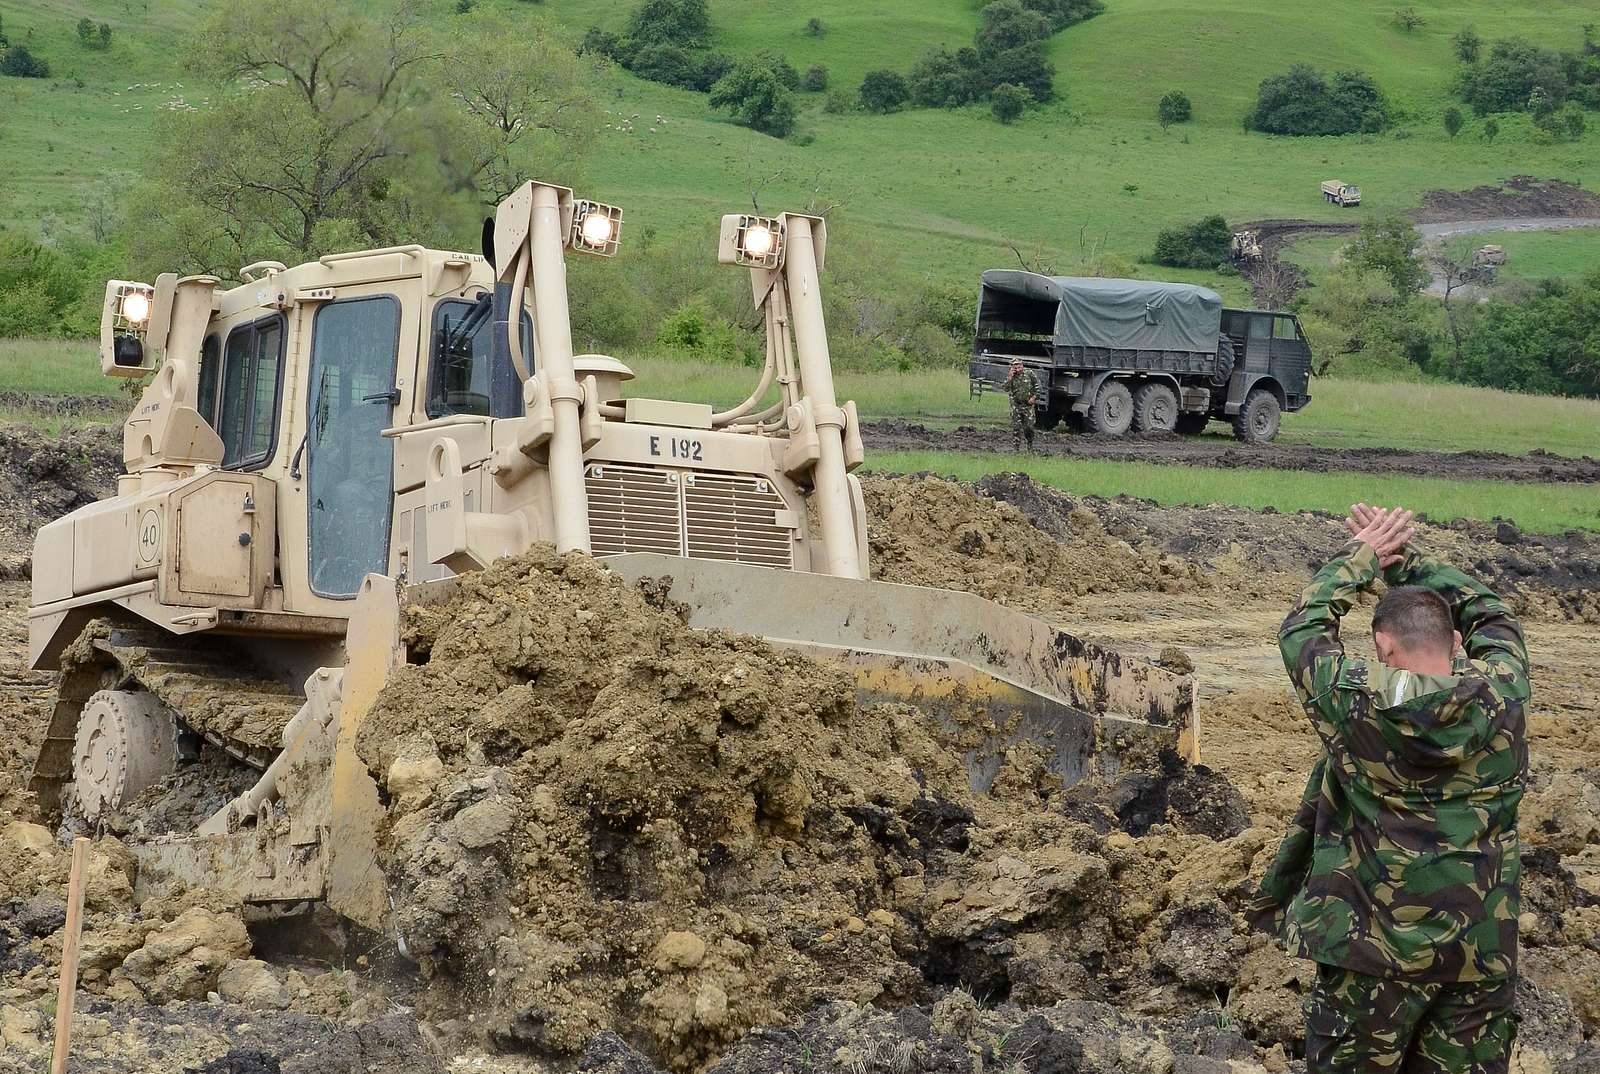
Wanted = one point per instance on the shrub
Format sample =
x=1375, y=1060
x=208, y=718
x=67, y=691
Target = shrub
x=41, y=292
x=1205, y=243
x=1467, y=44
x=1063, y=13
x=20, y=63
x=681, y=67
x=1505, y=82
x=598, y=42
x=1007, y=102
x=883, y=91
x=1453, y=121
x=1006, y=24
x=1302, y=101
x=815, y=80
x=815, y=28
x=1174, y=108
x=837, y=103
x=1026, y=66
x=1491, y=127
x=1537, y=345
x=756, y=97
x=1389, y=246
x=686, y=23
x=941, y=80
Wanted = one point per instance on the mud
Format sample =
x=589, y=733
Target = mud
x=1219, y=450
x=1519, y=196
x=622, y=846
x=44, y=477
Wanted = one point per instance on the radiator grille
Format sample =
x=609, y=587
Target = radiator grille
x=702, y=515
x=728, y=517
x=634, y=509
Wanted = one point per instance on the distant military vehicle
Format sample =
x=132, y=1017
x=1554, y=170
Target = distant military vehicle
x=1245, y=248
x=1340, y=192
x=1489, y=255
x=1114, y=355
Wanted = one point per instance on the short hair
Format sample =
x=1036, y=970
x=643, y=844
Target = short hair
x=1415, y=617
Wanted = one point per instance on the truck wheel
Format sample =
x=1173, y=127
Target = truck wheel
x=1192, y=424
x=1112, y=410
x=1257, y=421
x=1051, y=416
x=1155, y=409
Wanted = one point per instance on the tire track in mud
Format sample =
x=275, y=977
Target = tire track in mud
x=1223, y=452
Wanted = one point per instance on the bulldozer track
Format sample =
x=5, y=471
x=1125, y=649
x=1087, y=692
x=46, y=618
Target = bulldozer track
x=213, y=690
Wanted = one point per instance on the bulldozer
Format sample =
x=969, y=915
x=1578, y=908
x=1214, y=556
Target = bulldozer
x=318, y=446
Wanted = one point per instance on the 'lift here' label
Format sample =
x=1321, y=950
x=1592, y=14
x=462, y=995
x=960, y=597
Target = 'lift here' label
x=676, y=447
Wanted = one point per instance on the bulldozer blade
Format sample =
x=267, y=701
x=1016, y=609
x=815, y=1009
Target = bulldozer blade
x=989, y=673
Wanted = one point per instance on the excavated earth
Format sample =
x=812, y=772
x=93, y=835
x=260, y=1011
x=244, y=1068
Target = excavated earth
x=1219, y=450
x=619, y=845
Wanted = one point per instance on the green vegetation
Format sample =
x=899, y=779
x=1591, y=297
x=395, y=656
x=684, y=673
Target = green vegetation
x=1301, y=101
x=1174, y=108
x=1202, y=244
x=1535, y=508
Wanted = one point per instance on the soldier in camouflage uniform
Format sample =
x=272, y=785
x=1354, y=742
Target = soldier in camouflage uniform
x=1024, y=392
x=1400, y=872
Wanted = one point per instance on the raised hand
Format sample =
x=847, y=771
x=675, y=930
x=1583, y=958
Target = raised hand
x=1387, y=530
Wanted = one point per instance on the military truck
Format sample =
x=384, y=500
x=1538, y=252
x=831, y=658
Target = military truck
x=1341, y=193
x=1120, y=355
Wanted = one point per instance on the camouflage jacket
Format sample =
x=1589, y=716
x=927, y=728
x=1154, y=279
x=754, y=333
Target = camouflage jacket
x=1403, y=860
x=1021, y=388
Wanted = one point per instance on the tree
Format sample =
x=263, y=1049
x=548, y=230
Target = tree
x=86, y=33
x=1452, y=264
x=1491, y=127
x=940, y=80
x=883, y=91
x=1409, y=19
x=756, y=97
x=1027, y=66
x=18, y=62
x=1006, y=24
x=837, y=103
x=1063, y=13
x=1205, y=243
x=1545, y=343
x=103, y=34
x=1389, y=246
x=340, y=128
x=1453, y=121
x=1007, y=101
x=816, y=79
x=1467, y=44
x=685, y=23
x=1302, y=101
x=1174, y=108
x=1505, y=81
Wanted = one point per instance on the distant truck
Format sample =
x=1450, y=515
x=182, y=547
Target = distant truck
x=1120, y=355
x=1341, y=193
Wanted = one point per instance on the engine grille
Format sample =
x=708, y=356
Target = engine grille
x=702, y=515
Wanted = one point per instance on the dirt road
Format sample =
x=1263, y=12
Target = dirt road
x=1219, y=450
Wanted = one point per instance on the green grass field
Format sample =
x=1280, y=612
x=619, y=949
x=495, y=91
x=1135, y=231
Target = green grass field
x=933, y=193
x=1536, y=508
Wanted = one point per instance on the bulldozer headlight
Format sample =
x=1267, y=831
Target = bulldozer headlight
x=596, y=228
x=136, y=307
x=751, y=241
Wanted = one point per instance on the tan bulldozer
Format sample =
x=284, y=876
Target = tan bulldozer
x=320, y=444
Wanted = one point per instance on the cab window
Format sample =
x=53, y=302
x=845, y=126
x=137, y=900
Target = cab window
x=210, y=366
x=1260, y=326
x=1283, y=328
x=463, y=377
x=249, y=389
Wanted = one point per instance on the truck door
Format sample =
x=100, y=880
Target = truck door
x=1258, y=343
x=349, y=465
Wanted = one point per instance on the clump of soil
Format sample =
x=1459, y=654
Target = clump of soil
x=1521, y=195
x=43, y=478
x=600, y=819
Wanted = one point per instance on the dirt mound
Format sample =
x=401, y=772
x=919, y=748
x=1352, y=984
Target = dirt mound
x=42, y=478
x=600, y=819
x=1521, y=195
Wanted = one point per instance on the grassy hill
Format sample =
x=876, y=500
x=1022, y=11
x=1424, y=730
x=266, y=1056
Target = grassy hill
x=935, y=193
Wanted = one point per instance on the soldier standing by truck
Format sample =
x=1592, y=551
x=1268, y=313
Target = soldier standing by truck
x=1400, y=873
x=1024, y=392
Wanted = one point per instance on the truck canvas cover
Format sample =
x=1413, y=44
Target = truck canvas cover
x=1095, y=312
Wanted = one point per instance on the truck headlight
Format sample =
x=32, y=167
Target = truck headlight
x=136, y=307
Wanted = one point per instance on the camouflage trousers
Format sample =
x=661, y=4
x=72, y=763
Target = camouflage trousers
x=1357, y=1024
x=1022, y=426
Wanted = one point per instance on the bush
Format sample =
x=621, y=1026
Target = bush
x=1205, y=243
x=1063, y=13
x=780, y=66
x=756, y=97
x=940, y=80
x=815, y=80
x=1506, y=81
x=1026, y=66
x=815, y=28
x=1467, y=44
x=1389, y=246
x=883, y=91
x=681, y=67
x=1006, y=24
x=18, y=62
x=92, y=36
x=1536, y=345
x=598, y=42
x=42, y=292
x=1174, y=108
x=1007, y=102
x=837, y=103
x=686, y=23
x=1409, y=19
x=1491, y=127
x=1564, y=125
x=1453, y=121
x=1301, y=101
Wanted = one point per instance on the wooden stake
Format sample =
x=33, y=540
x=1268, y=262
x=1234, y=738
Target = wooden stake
x=69, y=956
